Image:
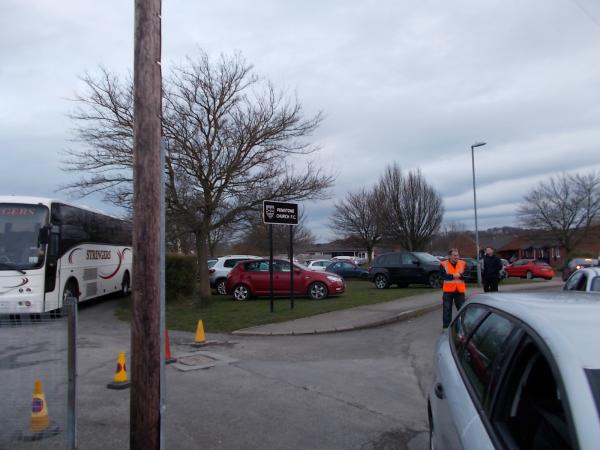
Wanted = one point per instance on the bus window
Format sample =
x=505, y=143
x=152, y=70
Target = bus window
x=20, y=242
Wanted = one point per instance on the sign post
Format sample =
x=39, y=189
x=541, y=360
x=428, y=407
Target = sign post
x=280, y=213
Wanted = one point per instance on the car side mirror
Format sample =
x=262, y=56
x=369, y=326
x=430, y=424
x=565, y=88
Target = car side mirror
x=416, y=263
x=297, y=271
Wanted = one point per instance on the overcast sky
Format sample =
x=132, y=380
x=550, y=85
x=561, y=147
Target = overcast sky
x=416, y=82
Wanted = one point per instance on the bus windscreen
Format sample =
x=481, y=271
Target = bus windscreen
x=20, y=244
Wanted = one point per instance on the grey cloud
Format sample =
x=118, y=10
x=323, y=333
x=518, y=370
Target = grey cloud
x=410, y=82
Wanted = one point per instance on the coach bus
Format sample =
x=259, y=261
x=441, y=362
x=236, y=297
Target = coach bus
x=51, y=250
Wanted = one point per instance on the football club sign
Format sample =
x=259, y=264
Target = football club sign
x=280, y=213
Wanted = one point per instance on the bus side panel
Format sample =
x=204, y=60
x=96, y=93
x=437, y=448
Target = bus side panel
x=112, y=271
x=95, y=269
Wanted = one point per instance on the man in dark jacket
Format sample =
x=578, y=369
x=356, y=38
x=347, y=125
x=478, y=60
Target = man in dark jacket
x=491, y=270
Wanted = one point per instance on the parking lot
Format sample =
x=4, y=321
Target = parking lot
x=363, y=389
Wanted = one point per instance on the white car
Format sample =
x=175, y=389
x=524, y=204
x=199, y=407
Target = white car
x=354, y=259
x=519, y=371
x=587, y=280
x=218, y=268
x=318, y=264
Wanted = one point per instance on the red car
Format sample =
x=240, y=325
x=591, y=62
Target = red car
x=529, y=268
x=251, y=278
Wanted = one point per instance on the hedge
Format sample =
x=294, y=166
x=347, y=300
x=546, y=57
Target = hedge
x=180, y=276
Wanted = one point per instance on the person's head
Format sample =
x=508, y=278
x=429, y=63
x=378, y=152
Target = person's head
x=453, y=254
x=489, y=251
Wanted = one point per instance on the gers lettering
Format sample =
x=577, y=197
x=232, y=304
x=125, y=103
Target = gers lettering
x=98, y=254
x=16, y=211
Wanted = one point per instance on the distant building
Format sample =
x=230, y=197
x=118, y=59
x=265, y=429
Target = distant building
x=332, y=250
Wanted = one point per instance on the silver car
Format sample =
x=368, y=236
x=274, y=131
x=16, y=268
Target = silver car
x=318, y=264
x=519, y=371
x=587, y=280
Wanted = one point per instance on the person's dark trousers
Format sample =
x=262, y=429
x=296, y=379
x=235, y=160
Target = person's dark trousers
x=451, y=297
x=490, y=284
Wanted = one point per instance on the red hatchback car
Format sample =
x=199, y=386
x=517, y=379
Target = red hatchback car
x=251, y=278
x=529, y=268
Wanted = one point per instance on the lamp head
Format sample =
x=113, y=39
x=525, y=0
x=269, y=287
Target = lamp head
x=478, y=144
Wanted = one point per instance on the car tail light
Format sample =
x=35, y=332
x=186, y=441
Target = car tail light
x=211, y=270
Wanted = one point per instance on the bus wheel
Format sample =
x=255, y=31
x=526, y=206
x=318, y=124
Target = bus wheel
x=71, y=290
x=125, y=285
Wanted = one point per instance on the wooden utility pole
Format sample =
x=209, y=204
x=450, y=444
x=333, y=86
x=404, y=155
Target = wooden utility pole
x=145, y=321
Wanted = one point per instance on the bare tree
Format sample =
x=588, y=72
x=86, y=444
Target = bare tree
x=229, y=139
x=409, y=209
x=565, y=206
x=453, y=235
x=255, y=237
x=356, y=216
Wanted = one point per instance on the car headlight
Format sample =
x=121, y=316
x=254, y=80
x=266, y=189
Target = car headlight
x=333, y=278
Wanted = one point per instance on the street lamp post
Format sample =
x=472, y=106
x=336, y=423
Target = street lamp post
x=477, y=144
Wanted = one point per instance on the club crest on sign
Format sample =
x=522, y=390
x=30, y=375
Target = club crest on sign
x=270, y=211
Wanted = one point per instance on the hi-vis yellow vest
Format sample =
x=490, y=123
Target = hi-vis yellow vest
x=454, y=285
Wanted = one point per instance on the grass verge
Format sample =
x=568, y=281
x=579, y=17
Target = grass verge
x=224, y=315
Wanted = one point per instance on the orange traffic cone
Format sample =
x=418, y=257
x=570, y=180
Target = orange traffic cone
x=39, y=410
x=168, y=358
x=200, y=338
x=40, y=426
x=120, y=380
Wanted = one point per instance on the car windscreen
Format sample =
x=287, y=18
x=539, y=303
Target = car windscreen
x=593, y=376
x=541, y=263
x=426, y=257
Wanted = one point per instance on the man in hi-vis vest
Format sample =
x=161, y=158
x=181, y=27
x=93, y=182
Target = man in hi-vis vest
x=454, y=285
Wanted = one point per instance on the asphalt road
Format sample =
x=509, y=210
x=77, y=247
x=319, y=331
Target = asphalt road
x=363, y=389
x=356, y=390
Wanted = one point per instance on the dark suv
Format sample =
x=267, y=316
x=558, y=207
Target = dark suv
x=576, y=264
x=404, y=268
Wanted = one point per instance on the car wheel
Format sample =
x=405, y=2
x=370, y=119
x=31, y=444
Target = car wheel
x=381, y=281
x=435, y=280
x=221, y=287
x=241, y=293
x=529, y=275
x=317, y=291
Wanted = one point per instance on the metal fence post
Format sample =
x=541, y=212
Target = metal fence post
x=71, y=307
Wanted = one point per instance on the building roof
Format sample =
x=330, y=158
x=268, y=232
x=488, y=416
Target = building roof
x=333, y=247
x=524, y=242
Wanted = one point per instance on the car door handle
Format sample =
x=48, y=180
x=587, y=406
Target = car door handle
x=439, y=391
